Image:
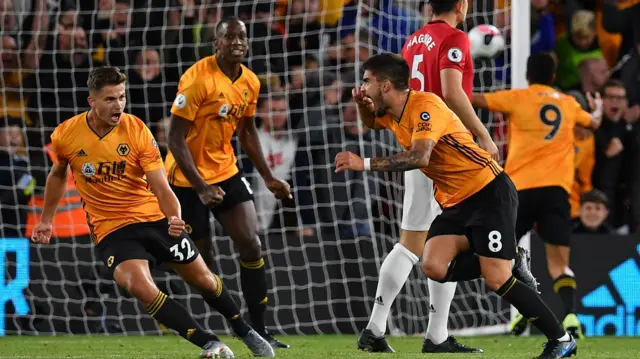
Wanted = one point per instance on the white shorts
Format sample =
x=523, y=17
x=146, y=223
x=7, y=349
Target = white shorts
x=419, y=208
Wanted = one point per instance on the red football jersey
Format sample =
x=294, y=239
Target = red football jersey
x=437, y=46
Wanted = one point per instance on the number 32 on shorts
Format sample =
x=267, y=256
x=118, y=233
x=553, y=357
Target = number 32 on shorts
x=495, y=241
x=185, y=245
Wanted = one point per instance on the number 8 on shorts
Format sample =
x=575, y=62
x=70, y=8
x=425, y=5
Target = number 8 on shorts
x=495, y=241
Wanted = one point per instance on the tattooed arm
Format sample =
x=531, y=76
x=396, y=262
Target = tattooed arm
x=417, y=157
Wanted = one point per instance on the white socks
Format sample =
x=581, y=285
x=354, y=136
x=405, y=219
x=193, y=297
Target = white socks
x=393, y=274
x=440, y=297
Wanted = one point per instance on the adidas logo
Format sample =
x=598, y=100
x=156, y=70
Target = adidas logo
x=221, y=95
x=615, y=304
x=82, y=153
x=379, y=300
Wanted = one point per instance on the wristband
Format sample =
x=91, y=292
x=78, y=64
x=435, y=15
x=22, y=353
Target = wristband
x=367, y=164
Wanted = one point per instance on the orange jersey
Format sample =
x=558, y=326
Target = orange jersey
x=584, y=162
x=541, y=122
x=215, y=104
x=458, y=167
x=110, y=171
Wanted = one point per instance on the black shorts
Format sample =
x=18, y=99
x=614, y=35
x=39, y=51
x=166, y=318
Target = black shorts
x=487, y=219
x=196, y=214
x=147, y=240
x=549, y=209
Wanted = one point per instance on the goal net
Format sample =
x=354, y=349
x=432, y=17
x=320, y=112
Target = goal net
x=323, y=249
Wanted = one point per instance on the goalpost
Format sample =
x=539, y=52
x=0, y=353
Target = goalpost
x=324, y=283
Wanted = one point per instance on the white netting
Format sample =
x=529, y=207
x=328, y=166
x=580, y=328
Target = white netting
x=323, y=249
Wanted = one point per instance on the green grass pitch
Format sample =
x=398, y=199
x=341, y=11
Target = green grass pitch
x=313, y=346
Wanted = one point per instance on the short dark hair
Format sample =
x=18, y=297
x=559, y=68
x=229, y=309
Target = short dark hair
x=612, y=83
x=594, y=196
x=541, y=69
x=226, y=21
x=388, y=66
x=443, y=6
x=103, y=76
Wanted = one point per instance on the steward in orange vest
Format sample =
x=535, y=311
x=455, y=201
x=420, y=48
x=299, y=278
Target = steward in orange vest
x=70, y=219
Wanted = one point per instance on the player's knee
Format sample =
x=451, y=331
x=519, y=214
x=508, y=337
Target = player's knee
x=494, y=280
x=250, y=248
x=434, y=270
x=206, y=283
x=145, y=291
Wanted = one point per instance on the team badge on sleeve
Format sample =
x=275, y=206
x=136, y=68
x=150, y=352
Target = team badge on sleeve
x=245, y=95
x=154, y=143
x=454, y=54
x=425, y=116
x=180, y=101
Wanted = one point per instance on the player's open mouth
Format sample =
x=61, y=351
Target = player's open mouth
x=115, y=117
x=237, y=52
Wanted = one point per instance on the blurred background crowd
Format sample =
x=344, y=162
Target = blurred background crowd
x=305, y=53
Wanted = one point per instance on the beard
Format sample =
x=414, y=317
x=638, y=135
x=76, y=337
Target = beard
x=380, y=112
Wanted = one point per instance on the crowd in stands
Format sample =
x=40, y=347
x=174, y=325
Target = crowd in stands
x=305, y=53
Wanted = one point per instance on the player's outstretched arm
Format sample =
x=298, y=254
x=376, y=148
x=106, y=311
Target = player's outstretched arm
x=54, y=189
x=250, y=141
x=457, y=100
x=177, y=142
x=417, y=157
x=169, y=204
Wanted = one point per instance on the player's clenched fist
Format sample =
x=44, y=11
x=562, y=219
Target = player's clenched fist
x=211, y=195
x=348, y=161
x=279, y=188
x=42, y=233
x=176, y=226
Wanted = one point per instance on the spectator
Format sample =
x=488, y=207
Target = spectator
x=206, y=32
x=618, y=18
x=348, y=191
x=630, y=179
x=594, y=209
x=270, y=83
x=426, y=11
x=304, y=32
x=16, y=182
x=161, y=134
x=542, y=35
x=594, y=74
x=609, y=147
x=390, y=24
x=149, y=92
x=572, y=48
x=16, y=69
x=343, y=55
x=64, y=71
x=111, y=34
x=9, y=23
x=280, y=148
